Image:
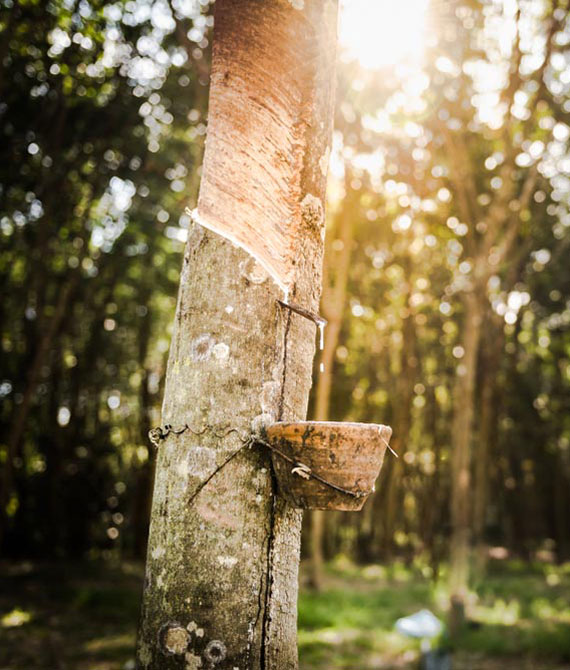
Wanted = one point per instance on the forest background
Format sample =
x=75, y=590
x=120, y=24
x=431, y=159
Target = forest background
x=447, y=291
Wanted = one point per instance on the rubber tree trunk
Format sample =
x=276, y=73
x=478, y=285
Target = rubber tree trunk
x=222, y=562
x=461, y=437
x=333, y=304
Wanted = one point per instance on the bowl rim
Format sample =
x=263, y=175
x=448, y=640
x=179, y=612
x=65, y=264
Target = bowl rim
x=343, y=424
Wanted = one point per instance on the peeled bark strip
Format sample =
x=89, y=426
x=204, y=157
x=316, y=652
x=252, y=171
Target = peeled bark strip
x=221, y=578
x=265, y=55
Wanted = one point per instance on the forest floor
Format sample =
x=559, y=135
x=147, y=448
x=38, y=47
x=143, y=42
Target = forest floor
x=84, y=617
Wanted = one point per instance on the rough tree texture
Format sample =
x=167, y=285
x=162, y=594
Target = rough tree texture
x=221, y=578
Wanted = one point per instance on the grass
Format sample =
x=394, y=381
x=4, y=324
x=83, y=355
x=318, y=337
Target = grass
x=518, y=618
x=71, y=617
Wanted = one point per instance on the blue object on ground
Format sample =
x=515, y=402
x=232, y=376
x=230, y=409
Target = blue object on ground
x=422, y=625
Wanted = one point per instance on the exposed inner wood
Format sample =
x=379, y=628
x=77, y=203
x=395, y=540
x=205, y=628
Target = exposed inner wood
x=251, y=185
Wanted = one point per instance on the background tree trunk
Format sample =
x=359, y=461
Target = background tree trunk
x=332, y=306
x=491, y=353
x=389, y=503
x=144, y=470
x=222, y=563
x=461, y=436
x=17, y=427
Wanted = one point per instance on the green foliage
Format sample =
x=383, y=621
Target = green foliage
x=453, y=196
x=102, y=108
x=101, y=137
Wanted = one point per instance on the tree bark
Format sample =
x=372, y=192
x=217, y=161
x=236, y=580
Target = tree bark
x=461, y=436
x=222, y=562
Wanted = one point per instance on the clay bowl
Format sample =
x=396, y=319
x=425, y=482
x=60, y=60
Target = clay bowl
x=347, y=456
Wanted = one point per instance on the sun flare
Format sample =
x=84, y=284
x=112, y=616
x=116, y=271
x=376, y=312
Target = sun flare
x=380, y=33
